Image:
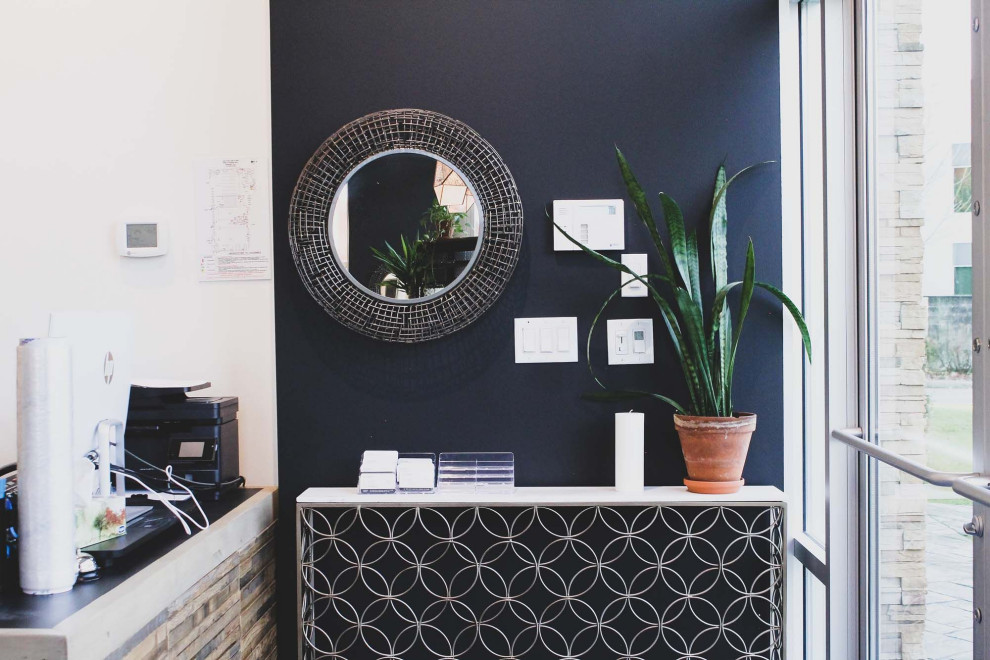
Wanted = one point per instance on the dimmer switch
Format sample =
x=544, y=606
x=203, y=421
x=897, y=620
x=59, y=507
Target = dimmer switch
x=636, y=263
x=630, y=341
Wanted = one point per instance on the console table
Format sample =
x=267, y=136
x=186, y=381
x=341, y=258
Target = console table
x=541, y=573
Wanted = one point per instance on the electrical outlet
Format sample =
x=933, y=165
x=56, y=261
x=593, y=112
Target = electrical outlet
x=630, y=341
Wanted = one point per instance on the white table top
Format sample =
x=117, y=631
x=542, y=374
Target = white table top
x=580, y=495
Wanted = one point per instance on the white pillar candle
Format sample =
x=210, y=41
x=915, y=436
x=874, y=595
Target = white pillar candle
x=629, y=451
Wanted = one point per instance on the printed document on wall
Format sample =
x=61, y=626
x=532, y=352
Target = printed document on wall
x=232, y=218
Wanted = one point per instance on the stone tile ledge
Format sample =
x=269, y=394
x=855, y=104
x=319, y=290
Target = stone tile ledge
x=105, y=625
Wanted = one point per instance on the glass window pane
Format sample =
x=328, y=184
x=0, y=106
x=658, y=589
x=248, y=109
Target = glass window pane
x=963, y=285
x=922, y=386
x=813, y=266
x=814, y=618
x=963, y=189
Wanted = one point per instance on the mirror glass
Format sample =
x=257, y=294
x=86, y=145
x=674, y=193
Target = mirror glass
x=406, y=225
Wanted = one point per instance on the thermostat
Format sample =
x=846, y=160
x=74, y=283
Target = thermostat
x=595, y=223
x=142, y=238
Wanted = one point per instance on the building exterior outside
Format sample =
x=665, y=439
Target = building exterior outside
x=924, y=270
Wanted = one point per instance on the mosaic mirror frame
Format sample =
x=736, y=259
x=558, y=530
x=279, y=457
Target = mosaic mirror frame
x=421, y=319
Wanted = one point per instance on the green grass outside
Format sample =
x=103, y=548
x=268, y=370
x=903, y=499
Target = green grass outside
x=950, y=437
x=950, y=441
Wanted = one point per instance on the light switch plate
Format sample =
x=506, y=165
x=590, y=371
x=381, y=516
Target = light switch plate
x=637, y=263
x=630, y=341
x=599, y=224
x=551, y=339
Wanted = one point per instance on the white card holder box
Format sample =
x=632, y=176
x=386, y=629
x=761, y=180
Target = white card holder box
x=378, y=472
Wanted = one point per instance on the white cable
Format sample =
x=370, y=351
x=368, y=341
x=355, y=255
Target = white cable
x=176, y=511
x=186, y=481
x=153, y=494
x=168, y=473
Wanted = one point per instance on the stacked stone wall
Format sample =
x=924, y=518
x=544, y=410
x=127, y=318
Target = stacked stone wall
x=903, y=320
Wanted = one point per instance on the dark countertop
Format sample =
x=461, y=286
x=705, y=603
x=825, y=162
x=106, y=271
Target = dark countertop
x=18, y=610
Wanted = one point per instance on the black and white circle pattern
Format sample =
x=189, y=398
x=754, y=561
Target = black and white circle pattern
x=630, y=583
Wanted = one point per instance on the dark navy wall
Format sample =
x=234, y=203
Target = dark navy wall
x=677, y=84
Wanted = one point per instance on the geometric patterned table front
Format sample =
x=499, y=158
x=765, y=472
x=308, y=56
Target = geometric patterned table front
x=541, y=582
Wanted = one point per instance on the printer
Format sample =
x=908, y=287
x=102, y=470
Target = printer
x=197, y=436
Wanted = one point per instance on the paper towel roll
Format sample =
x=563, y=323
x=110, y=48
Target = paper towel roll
x=46, y=521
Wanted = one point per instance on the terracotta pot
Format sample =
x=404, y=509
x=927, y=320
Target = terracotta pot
x=715, y=450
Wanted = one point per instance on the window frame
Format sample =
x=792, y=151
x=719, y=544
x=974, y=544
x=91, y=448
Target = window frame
x=836, y=563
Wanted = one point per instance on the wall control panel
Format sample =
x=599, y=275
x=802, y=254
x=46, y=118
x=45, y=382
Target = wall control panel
x=142, y=238
x=637, y=263
x=630, y=341
x=596, y=223
x=552, y=339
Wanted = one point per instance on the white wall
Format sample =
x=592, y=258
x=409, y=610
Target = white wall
x=104, y=106
x=945, y=34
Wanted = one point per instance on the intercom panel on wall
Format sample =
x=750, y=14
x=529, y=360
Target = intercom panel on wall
x=597, y=223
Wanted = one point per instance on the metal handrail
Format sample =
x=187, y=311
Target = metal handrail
x=973, y=486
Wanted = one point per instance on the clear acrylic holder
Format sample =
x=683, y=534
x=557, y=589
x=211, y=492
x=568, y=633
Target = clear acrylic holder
x=370, y=481
x=432, y=488
x=492, y=472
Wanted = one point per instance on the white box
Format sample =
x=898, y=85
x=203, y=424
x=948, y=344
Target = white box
x=599, y=224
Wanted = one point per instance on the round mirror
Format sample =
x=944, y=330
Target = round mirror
x=406, y=225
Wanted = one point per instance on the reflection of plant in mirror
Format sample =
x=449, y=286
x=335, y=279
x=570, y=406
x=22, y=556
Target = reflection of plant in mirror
x=411, y=265
x=410, y=269
x=439, y=222
x=706, y=348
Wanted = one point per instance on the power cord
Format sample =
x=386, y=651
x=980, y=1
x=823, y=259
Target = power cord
x=199, y=485
x=153, y=494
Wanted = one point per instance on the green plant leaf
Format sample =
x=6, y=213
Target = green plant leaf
x=411, y=264
x=629, y=395
x=678, y=238
x=718, y=307
x=795, y=314
x=721, y=192
x=694, y=339
x=719, y=345
x=638, y=198
x=601, y=258
x=670, y=320
x=747, y=296
x=722, y=319
x=718, y=227
x=694, y=269
x=695, y=389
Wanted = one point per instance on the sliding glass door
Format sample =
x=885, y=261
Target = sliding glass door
x=921, y=324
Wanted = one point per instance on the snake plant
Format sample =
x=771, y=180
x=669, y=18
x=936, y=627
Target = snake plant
x=702, y=332
x=411, y=265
